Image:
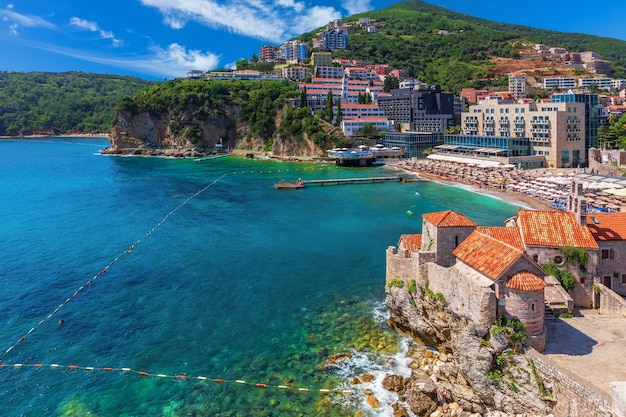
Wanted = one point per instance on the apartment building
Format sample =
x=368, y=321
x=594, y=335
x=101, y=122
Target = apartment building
x=522, y=132
x=600, y=83
x=324, y=71
x=321, y=59
x=267, y=53
x=472, y=95
x=559, y=82
x=424, y=109
x=356, y=111
x=297, y=73
x=294, y=51
x=517, y=84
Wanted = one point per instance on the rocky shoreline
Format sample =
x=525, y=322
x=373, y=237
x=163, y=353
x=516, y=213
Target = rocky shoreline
x=465, y=372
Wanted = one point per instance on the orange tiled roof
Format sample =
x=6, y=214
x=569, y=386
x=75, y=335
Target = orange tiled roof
x=448, y=218
x=554, y=228
x=489, y=256
x=525, y=281
x=607, y=226
x=411, y=242
x=509, y=235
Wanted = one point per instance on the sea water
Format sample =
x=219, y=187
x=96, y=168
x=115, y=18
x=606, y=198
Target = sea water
x=191, y=270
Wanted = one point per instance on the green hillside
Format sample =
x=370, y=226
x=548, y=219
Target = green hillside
x=58, y=103
x=407, y=38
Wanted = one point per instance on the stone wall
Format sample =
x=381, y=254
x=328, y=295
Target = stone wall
x=572, y=395
x=618, y=390
x=612, y=268
x=609, y=303
x=600, y=161
x=406, y=265
x=400, y=265
x=464, y=295
x=582, y=293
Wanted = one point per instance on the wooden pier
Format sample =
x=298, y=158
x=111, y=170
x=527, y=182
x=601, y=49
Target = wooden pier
x=342, y=181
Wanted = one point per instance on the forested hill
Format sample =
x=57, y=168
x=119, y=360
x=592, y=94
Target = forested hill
x=61, y=103
x=408, y=37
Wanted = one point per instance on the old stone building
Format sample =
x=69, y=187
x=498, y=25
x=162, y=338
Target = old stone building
x=481, y=271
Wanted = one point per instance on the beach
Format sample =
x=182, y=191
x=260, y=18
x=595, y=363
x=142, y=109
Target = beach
x=494, y=182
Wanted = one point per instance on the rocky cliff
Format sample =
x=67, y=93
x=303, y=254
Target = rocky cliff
x=190, y=117
x=482, y=372
x=180, y=134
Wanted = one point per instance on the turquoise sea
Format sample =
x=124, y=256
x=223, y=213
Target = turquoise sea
x=195, y=270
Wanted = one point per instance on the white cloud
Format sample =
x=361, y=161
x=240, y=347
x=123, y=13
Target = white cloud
x=171, y=62
x=84, y=24
x=356, y=6
x=94, y=27
x=17, y=20
x=273, y=21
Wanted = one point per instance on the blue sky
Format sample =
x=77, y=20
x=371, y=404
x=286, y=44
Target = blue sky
x=158, y=39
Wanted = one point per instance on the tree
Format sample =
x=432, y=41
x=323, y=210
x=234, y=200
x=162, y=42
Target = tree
x=339, y=117
x=303, y=98
x=368, y=129
x=390, y=83
x=328, y=107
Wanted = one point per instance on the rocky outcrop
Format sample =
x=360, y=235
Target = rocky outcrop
x=186, y=135
x=174, y=135
x=474, y=371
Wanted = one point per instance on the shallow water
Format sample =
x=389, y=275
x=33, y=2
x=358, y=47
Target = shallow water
x=240, y=282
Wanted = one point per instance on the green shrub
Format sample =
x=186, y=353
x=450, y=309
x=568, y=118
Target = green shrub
x=567, y=280
x=412, y=288
x=395, y=283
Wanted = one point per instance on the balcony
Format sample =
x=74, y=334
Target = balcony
x=489, y=129
x=518, y=130
x=503, y=129
x=540, y=130
x=540, y=122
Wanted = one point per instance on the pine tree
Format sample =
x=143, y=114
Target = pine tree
x=328, y=108
x=303, y=98
x=339, y=113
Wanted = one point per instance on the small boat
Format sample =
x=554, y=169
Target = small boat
x=291, y=185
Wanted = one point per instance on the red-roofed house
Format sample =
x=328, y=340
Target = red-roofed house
x=609, y=231
x=545, y=235
x=442, y=232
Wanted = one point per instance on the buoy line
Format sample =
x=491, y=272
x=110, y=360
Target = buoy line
x=106, y=268
x=181, y=376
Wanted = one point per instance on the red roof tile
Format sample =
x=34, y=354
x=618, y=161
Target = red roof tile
x=509, y=235
x=607, y=226
x=554, y=229
x=411, y=242
x=448, y=218
x=489, y=256
x=525, y=281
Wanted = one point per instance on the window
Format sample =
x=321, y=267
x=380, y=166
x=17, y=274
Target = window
x=623, y=278
x=608, y=254
x=558, y=259
x=582, y=280
x=532, y=307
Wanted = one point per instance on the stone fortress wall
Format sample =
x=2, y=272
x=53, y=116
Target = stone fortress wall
x=476, y=302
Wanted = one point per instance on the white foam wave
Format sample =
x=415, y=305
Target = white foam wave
x=379, y=366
